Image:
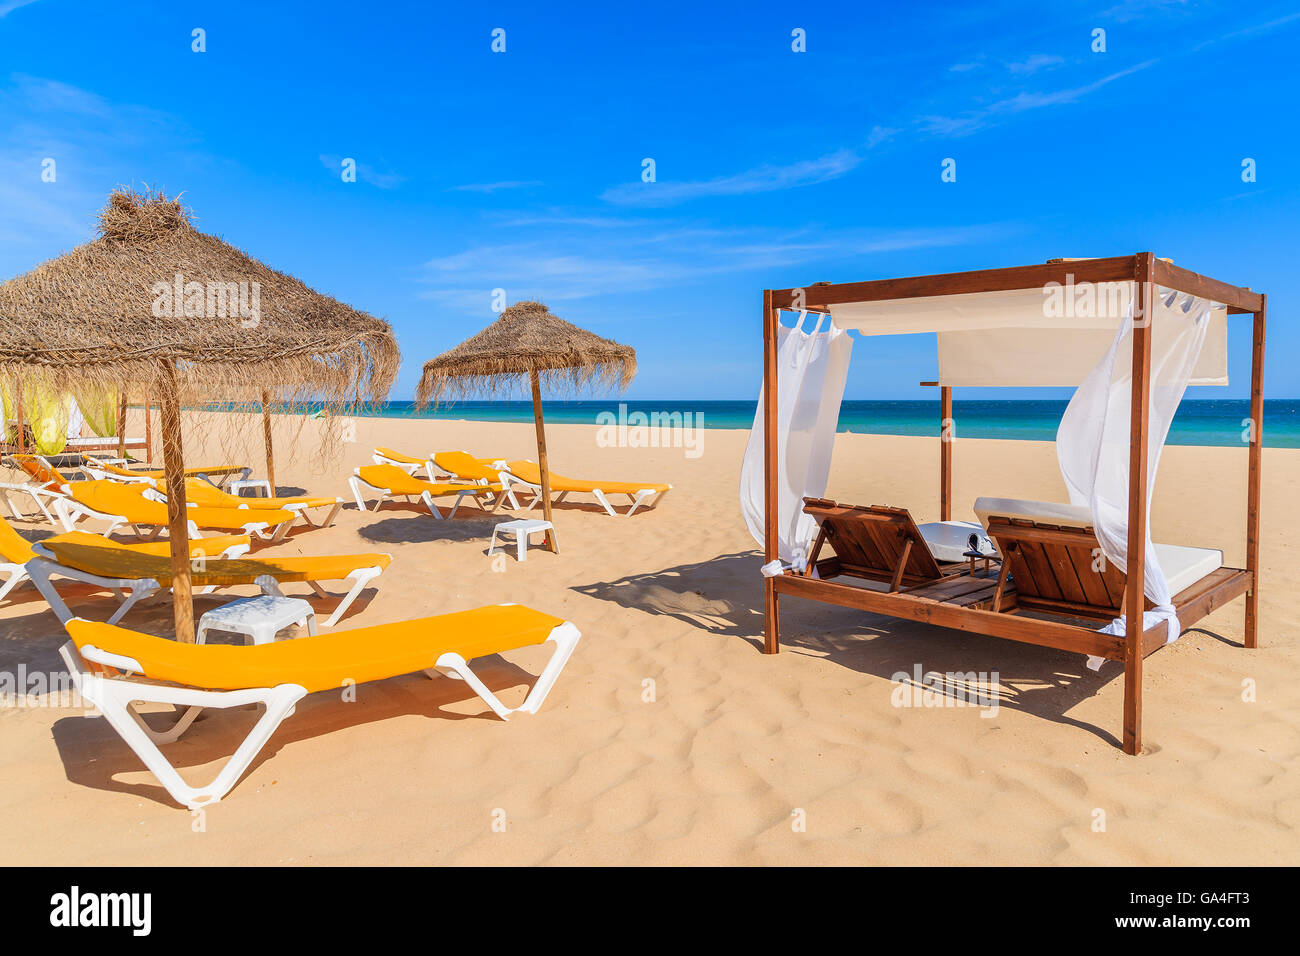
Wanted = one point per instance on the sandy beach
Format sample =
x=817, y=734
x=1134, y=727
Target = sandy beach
x=670, y=739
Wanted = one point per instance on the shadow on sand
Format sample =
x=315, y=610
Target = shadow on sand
x=724, y=597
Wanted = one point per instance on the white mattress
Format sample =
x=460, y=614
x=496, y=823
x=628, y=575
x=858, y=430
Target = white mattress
x=1183, y=566
x=950, y=540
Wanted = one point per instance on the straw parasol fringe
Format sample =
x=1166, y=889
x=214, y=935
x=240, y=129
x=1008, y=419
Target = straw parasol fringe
x=91, y=318
x=527, y=339
x=528, y=344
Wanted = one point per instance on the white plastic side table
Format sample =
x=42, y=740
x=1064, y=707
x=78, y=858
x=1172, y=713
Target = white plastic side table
x=258, y=618
x=237, y=487
x=521, y=528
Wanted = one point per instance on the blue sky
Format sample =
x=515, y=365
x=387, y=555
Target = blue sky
x=522, y=170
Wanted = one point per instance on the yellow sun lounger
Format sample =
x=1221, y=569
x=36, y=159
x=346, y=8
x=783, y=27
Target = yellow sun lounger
x=465, y=467
x=100, y=469
x=139, y=573
x=131, y=504
x=527, y=473
x=408, y=463
x=16, y=552
x=278, y=675
x=201, y=494
x=391, y=480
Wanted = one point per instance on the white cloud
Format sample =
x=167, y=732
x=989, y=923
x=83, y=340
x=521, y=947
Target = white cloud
x=9, y=6
x=494, y=187
x=974, y=120
x=558, y=267
x=1032, y=64
x=766, y=178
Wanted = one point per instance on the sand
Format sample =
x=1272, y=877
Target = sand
x=670, y=738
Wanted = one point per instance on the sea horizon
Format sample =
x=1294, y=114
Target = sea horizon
x=1205, y=422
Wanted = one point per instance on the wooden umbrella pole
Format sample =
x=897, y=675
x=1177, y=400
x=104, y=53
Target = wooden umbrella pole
x=177, y=526
x=266, y=434
x=121, y=424
x=148, y=427
x=541, y=461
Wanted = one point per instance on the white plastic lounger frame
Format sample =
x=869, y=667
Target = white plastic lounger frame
x=17, y=574
x=116, y=699
x=129, y=591
x=356, y=481
x=359, y=578
x=39, y=493
x=94, y=468
x=300, y=508
x=407, y=466
x=636, y=499
x=70, y=511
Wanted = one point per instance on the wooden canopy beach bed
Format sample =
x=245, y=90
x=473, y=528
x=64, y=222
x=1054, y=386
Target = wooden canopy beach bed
x=1043, y=570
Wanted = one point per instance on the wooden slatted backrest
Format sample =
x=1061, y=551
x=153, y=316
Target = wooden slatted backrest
x=869, y=540
x=1058, y=566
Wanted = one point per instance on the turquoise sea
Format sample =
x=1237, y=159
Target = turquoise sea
x=1198, y=422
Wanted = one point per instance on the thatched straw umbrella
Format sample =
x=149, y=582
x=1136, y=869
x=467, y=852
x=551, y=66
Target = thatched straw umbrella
x=153, y=303
x=528, y=342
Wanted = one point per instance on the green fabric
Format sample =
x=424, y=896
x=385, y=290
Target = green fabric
x=47, y=414
x=99, y=409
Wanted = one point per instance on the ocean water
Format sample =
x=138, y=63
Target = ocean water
x=1198, y=421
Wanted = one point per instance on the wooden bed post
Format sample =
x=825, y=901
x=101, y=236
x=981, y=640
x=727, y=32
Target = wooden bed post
x=177, y=528
x=771, y=502
x=1253, y=486
x=945, y=453
x=1134, y=592
x=121, y=423
x=266, y=436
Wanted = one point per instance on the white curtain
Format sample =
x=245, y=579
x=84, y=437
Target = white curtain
x=811, y=371
x=1092, y=443
x=75, y=419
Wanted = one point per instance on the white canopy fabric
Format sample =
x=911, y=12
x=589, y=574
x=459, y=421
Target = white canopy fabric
x=812, y=368
x=1053, y=336
x=75, y=419
x=1092, y=443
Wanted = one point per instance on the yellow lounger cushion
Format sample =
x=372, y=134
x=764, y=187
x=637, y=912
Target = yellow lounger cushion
x=128, y=501
x=204, y=495
x=14, y=548
x=529, y=472
x=111, y=560
x=398, y=456
x=48, y=476
x=150, y=473
x=464, y=465
x=400, y=483
x=325, y=661
x=211, y=546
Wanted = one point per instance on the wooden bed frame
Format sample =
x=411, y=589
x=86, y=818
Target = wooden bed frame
x=1041, y=552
